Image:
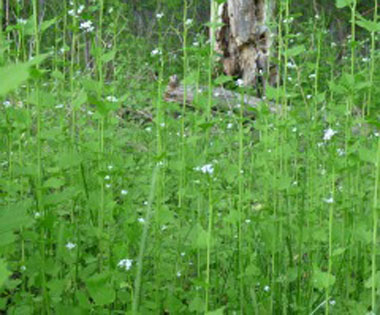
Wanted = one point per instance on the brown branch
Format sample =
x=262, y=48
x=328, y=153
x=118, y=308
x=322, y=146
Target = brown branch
x=226, y=100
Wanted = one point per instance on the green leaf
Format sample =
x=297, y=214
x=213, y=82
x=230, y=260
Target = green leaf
x=108, y=56
x=370, y=26
x=322, y=280
x=54, y=183
x=80, y=99
x=294, y=51
x=4, y=273
x=42, y=98
x=222, y=79
x=219, y=311
x=46, y=24
x=12, y=218
x=100, y=289
x=342, y=3
x=13, y=76
x=368, y=283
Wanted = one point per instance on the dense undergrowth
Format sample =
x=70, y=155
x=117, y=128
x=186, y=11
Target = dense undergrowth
x=113, y=201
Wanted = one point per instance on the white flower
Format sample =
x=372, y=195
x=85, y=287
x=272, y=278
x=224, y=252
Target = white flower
x=266, y=288
x=329, y=133
x=124, y=192
x=247, y=221
x=196, y=44
x=110, y=10
x=188, y=22
x=21, y=21
x=179, y=274
x=149, y=129
x=72, y=13
x=294, y=129
x=183, y=254
x=90, y=113
x=145, y=203
x=59, y=106
x=329, y=200
x=70, y=245
x=110, y=167
x=162, y=125
x=23, y=268
x=37, y=215
x=205, y=169
x=312, y=76
x=164, y=227
x=87, y=26
x=155, y=52
x=111, y=99
x=240, y=82
x=7, y=104
x=230, y=125
x=309, y=96
x=159, y=16
x=365, y=59
x=332, y=302
x=108, y=185
x=141, y=220
x=125, y=263
x=340, y=151
x=291, y=65
x=80, y=9
x=107, y=177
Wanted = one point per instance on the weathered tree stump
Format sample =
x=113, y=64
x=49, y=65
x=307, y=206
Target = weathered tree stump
x=244, y=40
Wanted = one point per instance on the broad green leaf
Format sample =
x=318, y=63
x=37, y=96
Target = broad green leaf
x=54, y=183
x=12, y=218
x=294, y=51
x=42, y=99
x=369, y=281
x=108, y=56
x=46, y=24
x=222, y=79
x=13, y=75
x=100, y=289
x=343, y=3
x=4, y=273
x=219, y=311
x=370, y=26
x=322, y=280
x=80, y=99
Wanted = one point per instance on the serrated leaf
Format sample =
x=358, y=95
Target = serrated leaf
x=46, y=24
x=54, y=183
x=100, y=289
x=222, y=79
x=370, y=26
x=12, y=218
x=342, y=3
x=294, y=51
x=322, y=280
x=80, y=99
x=108, y=56
x=4, y=273
x=219, y=311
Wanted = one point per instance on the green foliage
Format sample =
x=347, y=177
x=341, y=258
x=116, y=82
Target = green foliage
x=271, y=214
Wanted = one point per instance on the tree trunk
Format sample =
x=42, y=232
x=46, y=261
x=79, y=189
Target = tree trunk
x=244, y=40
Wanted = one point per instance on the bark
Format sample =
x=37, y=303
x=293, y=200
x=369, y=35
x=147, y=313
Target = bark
x=244, y=40
x=226, y=100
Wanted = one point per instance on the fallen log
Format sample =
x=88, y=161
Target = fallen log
x=226, y=100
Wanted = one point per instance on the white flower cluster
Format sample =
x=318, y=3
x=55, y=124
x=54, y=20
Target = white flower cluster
x=205, y=169
x=125, y=263
x=76, y=13
x=87, y=26
x=329, y=133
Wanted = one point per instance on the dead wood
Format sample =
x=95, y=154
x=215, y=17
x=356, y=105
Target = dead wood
x=226, y=100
